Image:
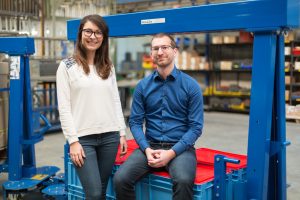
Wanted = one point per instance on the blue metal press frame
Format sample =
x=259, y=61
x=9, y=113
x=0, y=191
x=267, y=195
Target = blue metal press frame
x=21, y=164
x=268, y=20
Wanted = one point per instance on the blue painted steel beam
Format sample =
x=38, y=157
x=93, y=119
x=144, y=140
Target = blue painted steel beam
x=261, y=104
x=29, y=163
x=279, y=160
x=17, y=45
x=247, y=15
x=19, y=97
x=16, y=124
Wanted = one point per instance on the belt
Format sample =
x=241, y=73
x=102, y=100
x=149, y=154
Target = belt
x=162, y=144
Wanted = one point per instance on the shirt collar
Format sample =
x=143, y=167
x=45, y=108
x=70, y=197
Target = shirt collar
x=172, y=76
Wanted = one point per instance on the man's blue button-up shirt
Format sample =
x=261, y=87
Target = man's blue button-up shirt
x=172, y=110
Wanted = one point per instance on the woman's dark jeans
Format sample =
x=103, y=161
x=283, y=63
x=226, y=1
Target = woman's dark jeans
x=100, y=151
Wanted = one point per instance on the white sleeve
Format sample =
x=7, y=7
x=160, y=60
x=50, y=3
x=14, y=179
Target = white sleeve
x=117, y=103
x=64, y=103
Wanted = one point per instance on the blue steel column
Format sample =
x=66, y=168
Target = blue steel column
x=279, y=160
x=262, y=89
x=15, y=124
x=29, y=167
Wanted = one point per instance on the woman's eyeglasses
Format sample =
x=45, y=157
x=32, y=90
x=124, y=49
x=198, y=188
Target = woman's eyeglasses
x=90, y=32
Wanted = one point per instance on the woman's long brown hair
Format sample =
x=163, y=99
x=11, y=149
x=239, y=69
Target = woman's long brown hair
x=101, y=61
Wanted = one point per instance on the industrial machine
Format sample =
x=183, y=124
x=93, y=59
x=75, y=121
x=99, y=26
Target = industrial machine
x=23, y=131
x=268, y=20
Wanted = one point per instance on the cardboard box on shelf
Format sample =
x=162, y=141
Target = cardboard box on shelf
x=290, y=37
x=229, y=39
x=245, y=80
x=225, y=65
x=297, y=65
x=204, y=66
x=287, y=64
x=194, y=64
x=289, y=80
x=228, y=79
x=193, y=60
x=184, y=60
x=287, y=95
x=4, y=75
x=292, y=112
x=178, y=61
x=3, y=119
x=217, y=40
x=3, y=138
x=188, y=60
x=287, y=51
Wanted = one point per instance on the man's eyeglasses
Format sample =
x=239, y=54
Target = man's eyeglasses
x=163, y=48
x=90, y=32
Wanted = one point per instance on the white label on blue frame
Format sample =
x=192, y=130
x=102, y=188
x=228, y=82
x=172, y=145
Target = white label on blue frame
x=153, y=21
x=14, y=72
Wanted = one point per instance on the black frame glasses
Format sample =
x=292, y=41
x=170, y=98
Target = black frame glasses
x=163, y=48
x=89, y=32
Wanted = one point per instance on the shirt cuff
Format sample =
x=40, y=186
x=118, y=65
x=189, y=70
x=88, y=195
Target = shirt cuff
x=144, y=145
x=178, y=148
x=122, y=133
x=72, y=139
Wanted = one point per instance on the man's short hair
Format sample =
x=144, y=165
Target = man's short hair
x=159, y=35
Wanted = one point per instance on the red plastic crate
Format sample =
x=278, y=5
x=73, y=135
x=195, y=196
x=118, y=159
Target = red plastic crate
x=204, y=174
x=205, y=161
x=131, y=146
x=206, y=156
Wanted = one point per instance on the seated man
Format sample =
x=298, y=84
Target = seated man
x=171, y=104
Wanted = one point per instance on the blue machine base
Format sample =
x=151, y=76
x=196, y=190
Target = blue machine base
x=42, y=173
x=56, y=190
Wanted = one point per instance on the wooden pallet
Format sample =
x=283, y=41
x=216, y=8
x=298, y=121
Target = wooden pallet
x=294, y=118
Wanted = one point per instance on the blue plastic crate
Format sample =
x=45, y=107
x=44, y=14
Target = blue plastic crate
x=153, y=187
x=75, y=190
x=158, y=187
x=238, y=174
x=238, y=183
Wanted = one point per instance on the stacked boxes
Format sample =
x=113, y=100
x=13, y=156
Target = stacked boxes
x=293, y=112
x=190, y=60
x=158, y=185
x=4, y=83
x=3, y=120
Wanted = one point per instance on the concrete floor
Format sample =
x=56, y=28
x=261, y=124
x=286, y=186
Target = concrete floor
x=222, y=131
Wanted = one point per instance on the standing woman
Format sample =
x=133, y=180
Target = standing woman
x=89, y=107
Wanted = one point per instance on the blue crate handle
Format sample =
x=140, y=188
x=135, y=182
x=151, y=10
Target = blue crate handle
x=231, y=160
x=219, y=190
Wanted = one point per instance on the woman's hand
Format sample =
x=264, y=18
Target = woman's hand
x=123, y=146
x=77, y=154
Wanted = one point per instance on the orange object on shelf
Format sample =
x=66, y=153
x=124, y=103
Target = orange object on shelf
x=148, y=62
